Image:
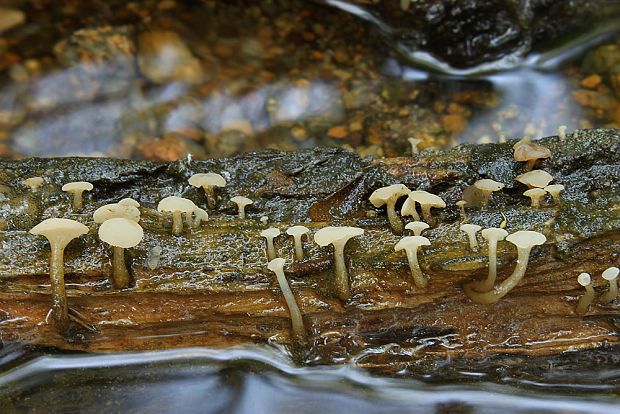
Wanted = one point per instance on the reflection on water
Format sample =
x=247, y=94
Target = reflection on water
x=256, y=381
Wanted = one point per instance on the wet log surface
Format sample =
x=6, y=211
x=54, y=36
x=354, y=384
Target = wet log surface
x=211, y=287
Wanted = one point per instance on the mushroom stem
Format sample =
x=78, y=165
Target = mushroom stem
x=296, y=318
x=611, y=294
x=119, y=272
x=416, y=272
x=210, y=193
x=241, y=211
x=473, y=242
x=488, y=284
x=77, y=201
x=426, y=213
x=271, y=249
x=299, y=251
x=395, y=222
x=177, y=222
x=529, y=165
x=585, y=300
x=59, y=296
x=342, y=276
x=499, y=292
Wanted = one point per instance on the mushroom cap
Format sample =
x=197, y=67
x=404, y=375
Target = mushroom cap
x=531, y=151
x=174, y=203
x=129, y=202
x=408, y=208
x=201, y=214
x=270, y=233
x=426, y=198
x=328, y=235
x=487, y=184
x=383, y=195
x=526, y=238
x=417, y=225
x=121, y=232
x=611, y=273
x=297, y=230
x=77, y=186
x=276, y=264
x=461, y=203
x=525, y=140
x=535, y=193
x=584, y=279
x=110, y=211
x=207, y=179
x=33, y=182
x=411, y=242
x=554, y=188
x=470, y=228
x=494, y=233
x=535, y=178
x=60, y=231
x=241, y=201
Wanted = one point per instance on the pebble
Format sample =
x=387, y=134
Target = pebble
x=338, y=132
x=10, y=18
x=591, y=81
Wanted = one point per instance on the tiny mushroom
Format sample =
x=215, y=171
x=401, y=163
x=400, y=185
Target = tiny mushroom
x=461, y=204
x=524, y=241
x=77, y=188
x=110, y=211
x=207, y=182
x=414, y=145
x=417, y=227
x=535, y=178
x=410, y=245
x=270, y=234
x=531, y=152
x=277, y=266
x=338, y=237
x=408, y=209
x=200, y=216
x=536, y=195
x=426, y=201
x=492, y=235
x=177, y=206
x=297, y=232
x=121, y=234
x=487, y=186
x=129, y=202
x=611, y=275
x=586, y=300
x=241, y=202
x=555, y=190
x=388, y=196
x=59, y=232
x=34, y=182
x=471, y=230
x=562, y=132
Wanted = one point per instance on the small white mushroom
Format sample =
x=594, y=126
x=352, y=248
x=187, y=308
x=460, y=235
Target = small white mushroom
x=408, y=209
x=410, y=245
x=530, y=153
x=77, y=188
x=471, y=230
x=535, y=178
x=461, y=204
x=270, y=234
x=208, y=181
x=297, y=232
x=555, y=190
x=297, y=325
x=417, y=227
x=389, y=196
x=611, y=275
x=129, y=202
x=562, y=132
x=492, y=236
x=241, y=203
x=177, y=206
x=414, y=141
x=338, y=237
x=524, y=241
x=200, y=216
x=59, y=232
x=586, y=300
x=487, y=186
x=121, y=234
x=427, y=201
x=110, y=211
x=536, y=195
x=34, y=183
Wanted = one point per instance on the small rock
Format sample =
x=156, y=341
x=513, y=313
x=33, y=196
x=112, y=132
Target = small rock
x=10, y=18
x=591, y=81
x=338, y=132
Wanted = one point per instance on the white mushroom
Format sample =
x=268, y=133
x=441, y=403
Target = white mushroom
x=492, y=236
x=461, y=204
x=410, y=245
x=270, y=234
x=110, y=211
x=611, y=275
x=408, y=209
x=562, y=132
x=129, y=202
x=77, y=188
x=121, y=234
x=200, y=216
x=297, y=232
x=536, y=195
x=414, y=141
x=59, y=232
x=338, y=237
x=34, y=183
x=586, y=300
x=471, y=230
x=241, y=202
x=524, y=241
x=389, y=196
x=487, y=186
x=555, y=190
x=177, y=206
x=207, y=182
x=427, y=201
x=535, y=178
x=417, y=227
x=277, y=266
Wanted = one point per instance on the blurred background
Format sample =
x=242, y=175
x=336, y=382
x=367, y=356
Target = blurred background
x=161, y=79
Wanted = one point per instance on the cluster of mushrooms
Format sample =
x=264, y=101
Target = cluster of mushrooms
x=120, y=228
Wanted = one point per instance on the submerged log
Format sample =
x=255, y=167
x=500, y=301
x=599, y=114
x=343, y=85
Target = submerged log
x=210, y=286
